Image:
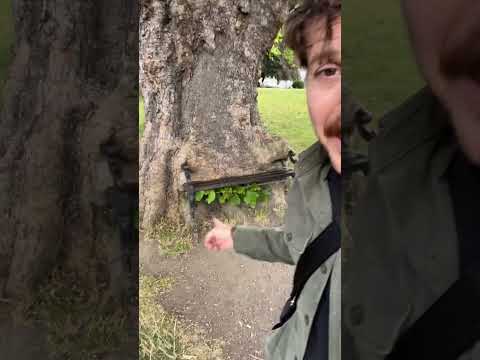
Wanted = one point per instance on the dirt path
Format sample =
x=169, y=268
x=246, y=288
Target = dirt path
x=235, y=299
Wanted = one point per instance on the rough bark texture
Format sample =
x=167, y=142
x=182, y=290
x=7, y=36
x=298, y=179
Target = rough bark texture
x=68, y=140
x=199, y=67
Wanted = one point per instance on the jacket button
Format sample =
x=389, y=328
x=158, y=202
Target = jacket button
x=295, y=358
x=289, y=236
x=357, y=315
x=307, y=320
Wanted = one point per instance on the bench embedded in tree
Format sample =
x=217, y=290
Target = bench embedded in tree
x=261, y=178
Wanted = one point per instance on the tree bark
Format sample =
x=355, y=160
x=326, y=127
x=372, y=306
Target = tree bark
x=68, y=144
x=199, y=67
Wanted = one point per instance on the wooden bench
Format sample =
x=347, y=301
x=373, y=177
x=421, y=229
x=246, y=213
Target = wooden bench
x=262, y=178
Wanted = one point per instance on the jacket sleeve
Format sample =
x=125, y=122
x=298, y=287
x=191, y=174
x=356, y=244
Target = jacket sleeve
x=266, y=244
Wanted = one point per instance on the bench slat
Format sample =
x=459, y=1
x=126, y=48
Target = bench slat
x=260, y=179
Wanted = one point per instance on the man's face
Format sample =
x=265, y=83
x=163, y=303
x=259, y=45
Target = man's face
x=446, y=40
x=323, y=85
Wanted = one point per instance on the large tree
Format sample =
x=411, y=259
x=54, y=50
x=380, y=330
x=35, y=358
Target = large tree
x=199, y=68
x=68, y=141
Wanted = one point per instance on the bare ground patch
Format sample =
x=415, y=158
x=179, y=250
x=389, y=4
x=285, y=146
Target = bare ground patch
x=232, y=298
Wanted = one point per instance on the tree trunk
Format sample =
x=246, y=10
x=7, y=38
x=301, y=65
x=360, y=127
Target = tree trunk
x=199, y=67
x=68, y=144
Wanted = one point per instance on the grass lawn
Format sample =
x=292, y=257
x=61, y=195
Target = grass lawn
x=284, y=113
x=377, y=61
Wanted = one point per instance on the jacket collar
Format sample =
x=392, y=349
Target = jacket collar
x=314, y=156
x=419, y=120
x=311, y=174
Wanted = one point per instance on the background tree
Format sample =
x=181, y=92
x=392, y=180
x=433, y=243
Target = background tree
x=68, y=145
x=279, y=61
x=199, y=69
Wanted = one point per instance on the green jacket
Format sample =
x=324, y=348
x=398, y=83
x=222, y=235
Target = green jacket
x=404, y=253
x=308, y=214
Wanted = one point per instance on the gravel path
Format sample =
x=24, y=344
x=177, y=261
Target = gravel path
x=234, y=299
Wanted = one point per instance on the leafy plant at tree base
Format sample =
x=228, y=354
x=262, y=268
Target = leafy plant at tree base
x=250, y=195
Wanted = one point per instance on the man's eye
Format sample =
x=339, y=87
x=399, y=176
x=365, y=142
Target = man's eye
x=327, y=71
x=330, y=72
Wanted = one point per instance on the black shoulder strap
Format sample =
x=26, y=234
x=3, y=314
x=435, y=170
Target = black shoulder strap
x=448, y=329
x=325, y=245
x=318, y=251
x=314, y=256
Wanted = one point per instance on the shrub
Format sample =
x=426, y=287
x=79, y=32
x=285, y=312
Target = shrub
x=298, y=84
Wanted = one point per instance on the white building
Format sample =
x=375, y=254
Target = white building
x=282, y=84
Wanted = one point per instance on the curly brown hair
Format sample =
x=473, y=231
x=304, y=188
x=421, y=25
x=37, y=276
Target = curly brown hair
x=301, y=16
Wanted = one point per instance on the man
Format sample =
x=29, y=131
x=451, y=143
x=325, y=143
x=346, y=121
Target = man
x=309, y=325
x=411, y=285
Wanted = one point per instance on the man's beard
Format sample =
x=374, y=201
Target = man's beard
x=334, y=129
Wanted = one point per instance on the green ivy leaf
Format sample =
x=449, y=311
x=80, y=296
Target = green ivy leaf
x=262, y=196
x=210, y=196
x=199, y=195
x=235, y=200
x=251, y=195
x=256, y=188
x=266, y=193
x=251, y=198
x=240, y=190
